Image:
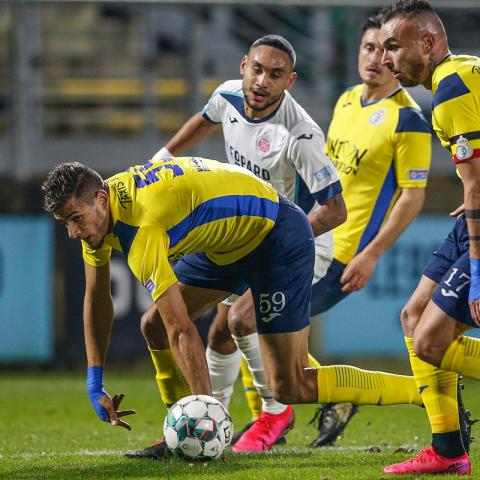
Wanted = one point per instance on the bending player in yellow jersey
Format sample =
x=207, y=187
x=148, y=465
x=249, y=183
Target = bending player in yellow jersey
x=447, y=299
x=269, y=133
x=229, y=230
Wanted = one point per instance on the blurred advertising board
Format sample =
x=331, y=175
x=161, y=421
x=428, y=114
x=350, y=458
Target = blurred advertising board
x=26, y=279
x=130, y=300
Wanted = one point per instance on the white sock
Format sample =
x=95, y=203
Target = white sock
x=250, y=348
x=224, y=370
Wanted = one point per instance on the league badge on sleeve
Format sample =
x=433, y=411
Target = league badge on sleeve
x=464, y=150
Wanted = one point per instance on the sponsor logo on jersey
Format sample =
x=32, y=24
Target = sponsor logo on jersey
x=263, y=144
x=233, y=120
x=476, y=68
x=378, y=117
x=416, y=175
x=150, y=285
x=324, y=173
x=346, y=104
x=345, y=156
x=238, y=159
x=122, y=194
x=305, y=136
x=464, y=150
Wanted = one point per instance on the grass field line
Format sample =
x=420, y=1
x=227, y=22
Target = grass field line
x=283, y=451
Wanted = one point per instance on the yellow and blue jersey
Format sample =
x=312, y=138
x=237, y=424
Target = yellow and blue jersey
x=456, y=105
x=377, y=148
x=166, y=209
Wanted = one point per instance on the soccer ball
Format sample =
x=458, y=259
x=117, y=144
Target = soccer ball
x=198, y=427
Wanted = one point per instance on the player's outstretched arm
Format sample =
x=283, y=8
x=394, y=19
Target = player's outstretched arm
x=190, y=134
x=331, y=214
x=359, y=270
x=97, y=323
x=470, y=173
x=184, y=340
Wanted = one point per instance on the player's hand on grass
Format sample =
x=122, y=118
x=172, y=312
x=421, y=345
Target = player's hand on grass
x=111, y=406
x=358, y=271
x=105, y=407
x=458, y=211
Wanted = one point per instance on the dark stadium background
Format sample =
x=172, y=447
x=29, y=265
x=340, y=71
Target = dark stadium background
x=107, y=83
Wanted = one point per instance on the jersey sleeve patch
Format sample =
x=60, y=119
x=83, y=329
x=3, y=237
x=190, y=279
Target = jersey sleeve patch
x=450, y=87
x=412, y=120
x=417, y=175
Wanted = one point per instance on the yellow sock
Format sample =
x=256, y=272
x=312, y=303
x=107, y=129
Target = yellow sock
x=170, y=380
x=463, y=356
x=254, y=400
x=438, y=388
x=313, y=362
x=343, y=383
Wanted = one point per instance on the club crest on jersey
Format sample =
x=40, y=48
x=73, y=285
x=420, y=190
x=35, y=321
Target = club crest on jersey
x=378, y=117
x=263, y=144
x=464, y=150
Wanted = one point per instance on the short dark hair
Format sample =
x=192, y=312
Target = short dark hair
x=70, y=180
x=277, y=41
x=372, y=22
x=404, y=8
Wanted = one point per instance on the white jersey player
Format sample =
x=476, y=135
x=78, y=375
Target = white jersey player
x=285, y=148
x=269, y=133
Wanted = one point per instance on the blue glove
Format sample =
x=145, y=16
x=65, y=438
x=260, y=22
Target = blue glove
x=474, y=293
x=95, y=390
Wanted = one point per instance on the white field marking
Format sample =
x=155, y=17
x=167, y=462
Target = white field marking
x=80, y=453
x=275, y=451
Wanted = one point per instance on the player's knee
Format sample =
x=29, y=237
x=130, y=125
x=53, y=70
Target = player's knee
x=241, y=323
x=428, y=349
x=153, y=330
x=219, y=336
x=409, y=318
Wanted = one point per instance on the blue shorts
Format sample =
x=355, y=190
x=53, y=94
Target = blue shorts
x=327, y=292
x=449, y=266
x=279, y=272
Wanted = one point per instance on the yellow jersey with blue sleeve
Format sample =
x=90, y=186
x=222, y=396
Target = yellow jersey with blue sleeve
x=456, y=105
x=163, y=210
x=377, y=148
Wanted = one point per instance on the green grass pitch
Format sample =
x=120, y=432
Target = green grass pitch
x=49, y=431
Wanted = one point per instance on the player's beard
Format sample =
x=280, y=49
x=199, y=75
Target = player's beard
x=414, y=75
x=261, y=108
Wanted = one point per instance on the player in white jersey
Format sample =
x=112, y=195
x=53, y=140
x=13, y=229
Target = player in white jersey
x=285, y=148
x=270, y=134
